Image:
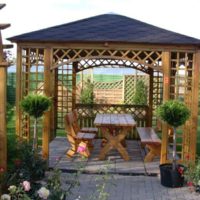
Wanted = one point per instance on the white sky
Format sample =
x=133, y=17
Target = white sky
x=182, y=16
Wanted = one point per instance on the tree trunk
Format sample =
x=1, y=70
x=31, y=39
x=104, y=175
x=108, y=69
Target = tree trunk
x=174, y=149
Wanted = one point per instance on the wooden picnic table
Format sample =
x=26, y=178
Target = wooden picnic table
x=114, y=128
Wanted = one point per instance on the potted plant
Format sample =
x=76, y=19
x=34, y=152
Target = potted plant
x=175, y=113
x=35, y=105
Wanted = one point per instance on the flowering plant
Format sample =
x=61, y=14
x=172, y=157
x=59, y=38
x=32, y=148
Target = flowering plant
x=22, y=192
x=192, y=175
x=181, y=170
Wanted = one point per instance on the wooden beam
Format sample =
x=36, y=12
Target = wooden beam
x=4, y=26
x=2, y=5
x=3, y=134
x=114, y=45
x=7, y=46
x=150, y=111
x=4, y=64
x=166, y=96
x=47, y=116
x=75, y=65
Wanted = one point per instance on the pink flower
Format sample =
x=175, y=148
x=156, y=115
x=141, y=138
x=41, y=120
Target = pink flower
x=26, y=185
x=2, y=169
x=81, y=149
x=189, y=184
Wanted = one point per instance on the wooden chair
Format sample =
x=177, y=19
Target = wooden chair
x=84, y=129
x=77, y=140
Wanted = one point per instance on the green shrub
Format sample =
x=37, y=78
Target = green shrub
x=35, y=105
x=87, y=95
x=175, y=113
x=140, y=96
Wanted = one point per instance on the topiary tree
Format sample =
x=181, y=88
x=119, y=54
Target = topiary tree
x=87, y=95
x=175, y=113
x=35, y=105
x=140, y=96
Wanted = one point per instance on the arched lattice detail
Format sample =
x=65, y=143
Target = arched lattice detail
x=86, y=64
x=138, y=59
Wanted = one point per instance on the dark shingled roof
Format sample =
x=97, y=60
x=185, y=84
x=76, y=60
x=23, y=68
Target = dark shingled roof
x=106, y=28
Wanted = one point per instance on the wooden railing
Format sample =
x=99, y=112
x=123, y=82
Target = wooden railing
x=87, y=113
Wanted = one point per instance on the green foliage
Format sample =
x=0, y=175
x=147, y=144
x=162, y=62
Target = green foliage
x=140, y=96
x=35, y=105
x=102, y=182
x=55, y=186
x=174, y=112
x=87, y=95
x=27, y=165
x=192, y=173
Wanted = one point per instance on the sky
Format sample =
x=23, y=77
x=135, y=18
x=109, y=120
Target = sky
x=182, y=16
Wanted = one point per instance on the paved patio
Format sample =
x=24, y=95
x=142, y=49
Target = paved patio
x=130, y=188
x=114, y=162
x=128, y=180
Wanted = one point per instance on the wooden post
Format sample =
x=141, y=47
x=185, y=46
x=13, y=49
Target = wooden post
x=54, y=80
x=47, y=115
x=150, y=112
x=194, y=112
x=74, y=70
x=55, y=101
x=3, y=135
x=18, y=92
x=166, y=96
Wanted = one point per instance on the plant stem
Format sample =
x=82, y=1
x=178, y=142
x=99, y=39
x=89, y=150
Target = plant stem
x=174, y=150
x=35, y=135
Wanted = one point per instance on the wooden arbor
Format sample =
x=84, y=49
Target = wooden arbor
x=50, y=59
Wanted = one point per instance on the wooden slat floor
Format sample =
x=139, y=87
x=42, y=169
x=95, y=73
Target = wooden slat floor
x=113, y=163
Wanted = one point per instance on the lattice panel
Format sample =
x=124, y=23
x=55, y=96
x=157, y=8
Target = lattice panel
x=157, y=89
x=137, y=59
x=32, y=81
x=181, y=88
x=64, y=93
x=108, y=85
x=130, y=86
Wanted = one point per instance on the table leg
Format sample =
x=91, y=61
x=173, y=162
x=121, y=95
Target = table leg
x=119, y=146
x=114, y=142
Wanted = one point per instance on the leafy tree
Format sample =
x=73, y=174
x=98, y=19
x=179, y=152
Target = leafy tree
x=35, y=105
x=140, y=96
x=87, y=95
x=175, y=113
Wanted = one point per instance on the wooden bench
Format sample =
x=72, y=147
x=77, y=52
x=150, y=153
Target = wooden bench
x=77, y=139
x=150, y=140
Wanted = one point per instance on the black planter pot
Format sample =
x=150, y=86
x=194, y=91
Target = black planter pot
x=169, y=177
